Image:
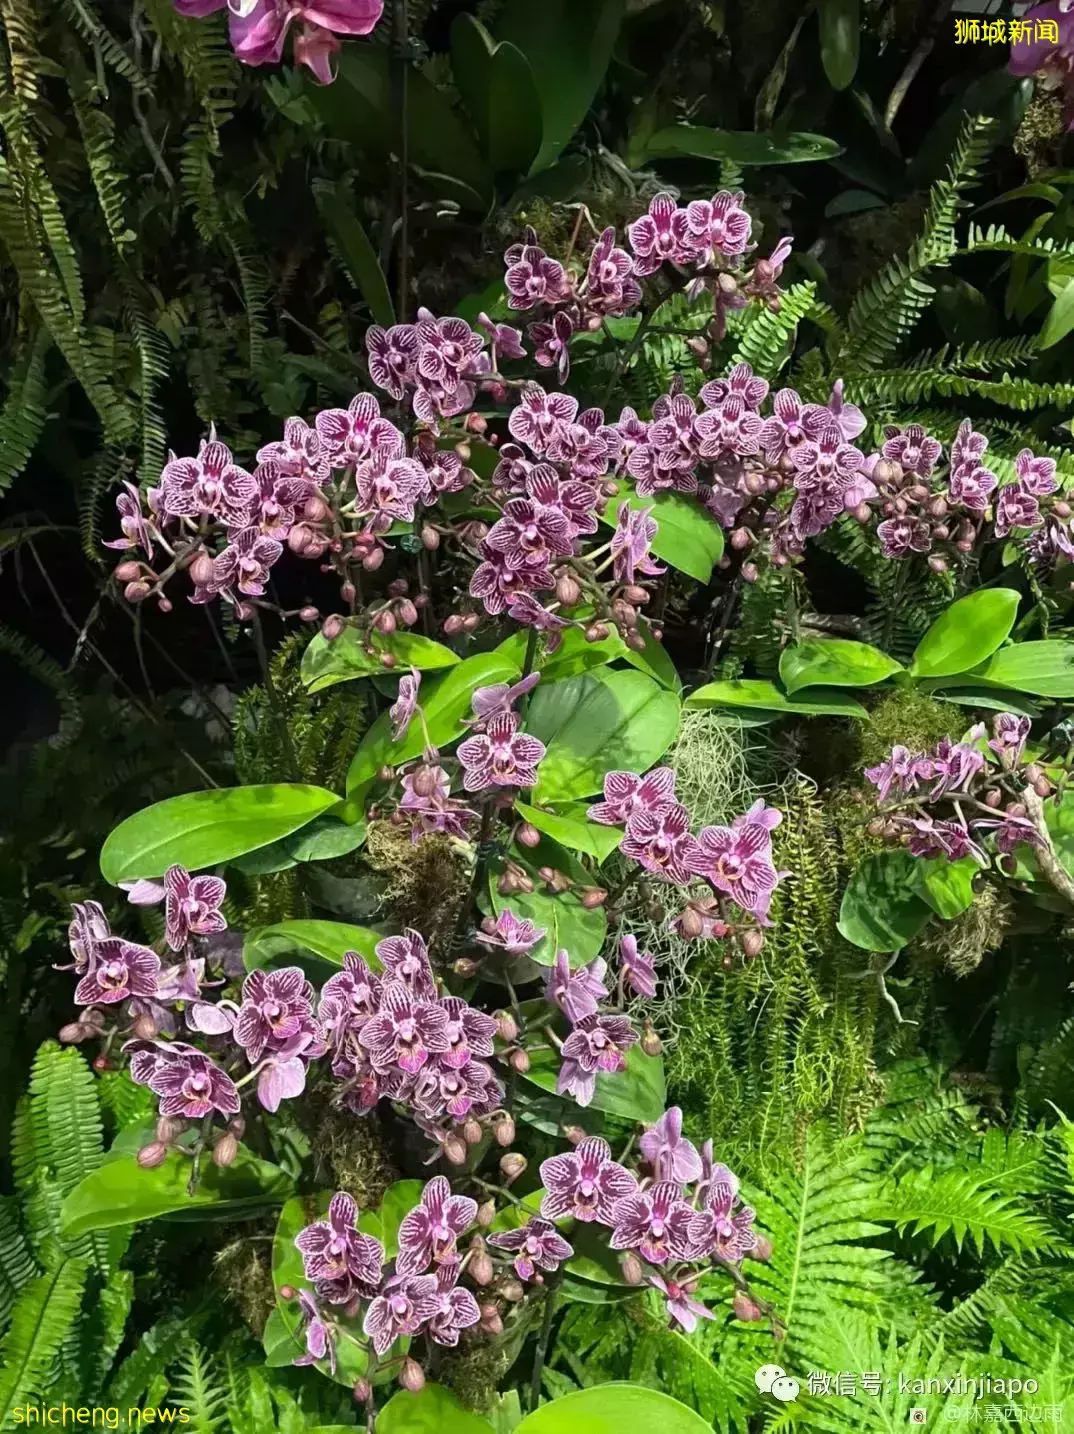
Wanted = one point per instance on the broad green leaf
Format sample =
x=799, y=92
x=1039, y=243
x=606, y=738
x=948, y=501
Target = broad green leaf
x=834, y=662
x=326, y=663
x=597, y=723
x=202, y=829
x=566, y=922
x=445, y=701
x=355, y=248
x=1060, y=318
x=742, y=147
x=966, y=633
x=840, y=32
x=573, y=655
x=361, y=108
x=568, y=44
x=564, y=181
x=654, y=660
x=279, y=1342
x=947, y=886
x=434, y=1411
x=688, y=536
x=287, y=1269
x=765, y=696
x=570, y=827
x=498, y=89
x=325, y=838
x=614, y=1409
x=881, y=910
x=120, y=1192
x=638, y=1093
x=1045, y=669
x=328, y=940
x=383, y=1222
x=995, y=700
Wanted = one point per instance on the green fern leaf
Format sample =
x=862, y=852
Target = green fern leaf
x=40, y=1321
x=23, y=415
x=17, y=1264
x=959, y=1203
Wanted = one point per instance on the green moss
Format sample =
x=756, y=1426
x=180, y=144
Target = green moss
x=963, y=943
x=351, y=1152
x=243, y=1270
x=910, y=717
x=424, y=882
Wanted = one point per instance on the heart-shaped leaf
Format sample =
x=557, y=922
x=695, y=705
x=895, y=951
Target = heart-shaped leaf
x=947, y=886
x=567, y=924
x=596, y=723
x=834, y=662
x=881, y=910
x=966, y=633
x=203, y=829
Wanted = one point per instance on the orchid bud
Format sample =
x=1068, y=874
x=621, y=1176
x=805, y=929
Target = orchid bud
x=937, y=563
x=593, y=897
x=634, y=640
x=993, y=797
x=168, y=1128
x=407, y=612
x=486, y=1213
x=574, y=1134
x=512, y=1291
x=471, y=622
x=104, y=1063
x=762, y=1250
x=507, y=884
x=746, y=1307
x=332, y=627
x=504, y=1131
x=528, y=835
x=145, y=1028
x=225, y=1151
x=363, y=1390
x=388, y=660
x=512, y=1165
x=316, y=509
x=624, y=613
x=237, y=1126
x=876, y=827
x=568, y=590
x=631, y=1269
x=472, y=1132
x=463, y=450
x=1061, y=508
x=412, y=1376
x=136, y=592
x=862, y=513
x=130, y=572
x=741, y=538
x=491, y=1322
x=299, y=539
x=1042, y=787
x=476, y=423
x=288, y=1292
x=727, y=283
x=430, y=538
x=482, y=1271
x=752, y=944
x=454, y=1150
x=519, y=1061
x=453, y=624
x=650, y=1042
x=74, y=1033
x=465, y=968
x=308, y=614
x=425, y=780
x=596, y=632
x=507, y=1027
x=699, y=347
x=690, y=923
x=385, y=622
x=152, y=1155
x=750, y=572
x=373, y=560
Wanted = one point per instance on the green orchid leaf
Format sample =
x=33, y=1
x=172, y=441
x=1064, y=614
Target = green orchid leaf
x=834, y=662
x=767, y=697
x=345, y=658
x=966, y=633
x=266, y=946
x=881, y=910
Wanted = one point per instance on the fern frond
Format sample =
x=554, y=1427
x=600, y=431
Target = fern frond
x=198, y=1389
x=17, y=1264
x=85, y=22
x=996, y=239
x=960, y=1203
x=23, y=416
x=40, y=1321
x=767, y=338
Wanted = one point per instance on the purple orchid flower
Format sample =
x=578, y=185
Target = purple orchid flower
x=514, y=935
x=537, y=1245
x=132, y=522
x=276, y=1007
x=212, y=483
x=659, y=840
x=631, y=542
x=405, y=959
x=405, y=705
x=1010, y=737
x=393, y=355
x=723, y=1226
x=429, y=1233
x=457, y=1310
x=405, y=1032
x=655, y=1222
x=625, y=794
x=118, y=969
x=470, y=1033
x=499, y=699
x=659, y=236
x=738, y=862
x=319, y=1341
x=533, y=278
x=637, y=968
x=667, y=1150
x=335, y=1252
x=680, y=1304
x=89, y=927
x=501, y=756
x=596, y=1046
x=577, y=993
x=245, y=562
x=901, y=773
x=585, y=1183
x=188, y=1082
x=1016, y=507
x=405, y=1304
x=299, y=454
x=192, y=906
